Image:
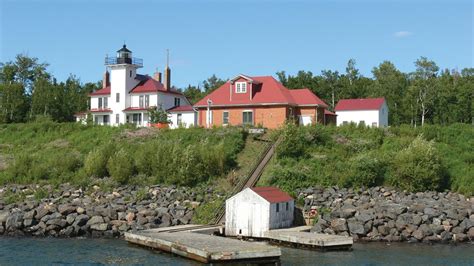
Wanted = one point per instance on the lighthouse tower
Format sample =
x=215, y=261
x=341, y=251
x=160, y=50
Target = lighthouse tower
x=123, y=71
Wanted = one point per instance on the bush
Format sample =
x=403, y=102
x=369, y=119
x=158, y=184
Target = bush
x=95, y=164
x=365, y=170
x=121, y=167
x=418, y=167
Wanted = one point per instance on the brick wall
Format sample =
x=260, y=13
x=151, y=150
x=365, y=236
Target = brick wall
x=267, y=116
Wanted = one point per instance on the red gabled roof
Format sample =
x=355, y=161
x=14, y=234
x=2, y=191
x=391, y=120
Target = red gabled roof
x=135, y=109
x=185, y=108
x=272, y=194
x=104, y=91
x=327, y=112
x=148, y=84
x=305, y=96
x=266, y=90
x=359, y=104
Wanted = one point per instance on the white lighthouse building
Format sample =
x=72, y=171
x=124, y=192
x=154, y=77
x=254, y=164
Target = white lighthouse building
x=126, y=96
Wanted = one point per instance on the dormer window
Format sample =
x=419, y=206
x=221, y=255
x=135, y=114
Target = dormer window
x=240, y=87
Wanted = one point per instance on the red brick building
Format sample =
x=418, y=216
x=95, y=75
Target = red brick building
x=259, y=101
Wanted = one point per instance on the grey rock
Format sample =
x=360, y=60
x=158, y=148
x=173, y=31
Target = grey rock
x=14, y=221
x=66, y=209
x=99, y=226
x=339, y=225
x=95, y=220
x=457, y=230
x=459, y=237
x=81, y=220
x=3, y=216
x=30, y=214
x=365, y=216
x=71, y=218
x=356, y=227
x=29, y=222
x=383, y=230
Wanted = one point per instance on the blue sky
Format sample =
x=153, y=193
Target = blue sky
x=231, y=37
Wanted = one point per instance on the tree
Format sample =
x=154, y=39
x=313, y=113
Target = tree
x=13, y=103
x=193, y=93
x=424, y=85
x=25, y=70
x=331, y=80
x=212, y=83
x=392, y=84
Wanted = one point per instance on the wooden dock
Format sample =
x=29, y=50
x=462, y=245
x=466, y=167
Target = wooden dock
x=301, y=237
x=196, y=242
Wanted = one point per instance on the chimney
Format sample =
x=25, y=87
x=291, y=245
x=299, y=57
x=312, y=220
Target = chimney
x=157, y=76
x=106, y=80
x=167, y=78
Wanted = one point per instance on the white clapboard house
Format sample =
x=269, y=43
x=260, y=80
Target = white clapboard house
x=370, y=112
x=126, y=96
x=256, y=210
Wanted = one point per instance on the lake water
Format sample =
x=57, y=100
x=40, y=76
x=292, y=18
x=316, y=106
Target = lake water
x=36, y=251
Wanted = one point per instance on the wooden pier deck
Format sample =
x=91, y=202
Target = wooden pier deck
x=195, y=242
x=301, y=237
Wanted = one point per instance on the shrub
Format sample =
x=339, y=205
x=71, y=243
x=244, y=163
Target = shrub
x=121, y=167
x=95, y=164
x=365, y=170
x=418, y=167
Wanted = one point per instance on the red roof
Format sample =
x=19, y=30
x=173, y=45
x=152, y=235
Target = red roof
x=135, y=109
x=148, y=84
x=272, y=194
x=104, y=91
x=185, y=108
x=305, y=96
x=266, y=90
x=102, y=110
x=145, y=84
x=327, y=112
x=359, y=104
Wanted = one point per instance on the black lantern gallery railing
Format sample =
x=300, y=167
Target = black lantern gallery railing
x=120, y=60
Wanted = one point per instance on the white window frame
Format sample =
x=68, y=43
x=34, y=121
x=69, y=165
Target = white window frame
x=141, y=102
x=241, y=87
x=147, y=100
x=223, y=121
x=248, y=111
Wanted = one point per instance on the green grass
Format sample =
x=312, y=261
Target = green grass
x=54, y=153
x=415, y=159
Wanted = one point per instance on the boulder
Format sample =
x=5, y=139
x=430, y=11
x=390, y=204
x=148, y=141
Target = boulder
x=99, y=226
x=339, y=225
x=66, y=209
x=470, y=233
x=365, y=216
x=14, y=221
x=80, y=210
x=95, y=220
x=356, y=227
x=29, y=215
x=80, y=220
x=3, y=216
x=130, y=217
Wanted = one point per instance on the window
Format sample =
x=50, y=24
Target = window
x=225, y=118
x=290, y=112
x=240, y=87
x=100, y=103
x=130, y=73
x=140, y=101
x=117, y=97
x=106, y=119
x=147, y=100
x=117, y=118
x=179, y=119
x=177, y=101
x=287, y=206
x=106, y=104
x=278, y=207
x=247, y=117
x=96, y=120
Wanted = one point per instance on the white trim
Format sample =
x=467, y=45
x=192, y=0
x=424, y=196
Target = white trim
x=240, y=87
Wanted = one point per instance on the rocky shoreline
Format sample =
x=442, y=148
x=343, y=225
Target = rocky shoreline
x=375, y=214
x=70, y=212
x=384, y=214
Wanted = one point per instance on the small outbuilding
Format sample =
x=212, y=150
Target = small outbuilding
x=371, y=112
x=256, y=210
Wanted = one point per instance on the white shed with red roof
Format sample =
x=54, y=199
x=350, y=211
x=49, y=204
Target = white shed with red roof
x=254, y=211
x=370, y=112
